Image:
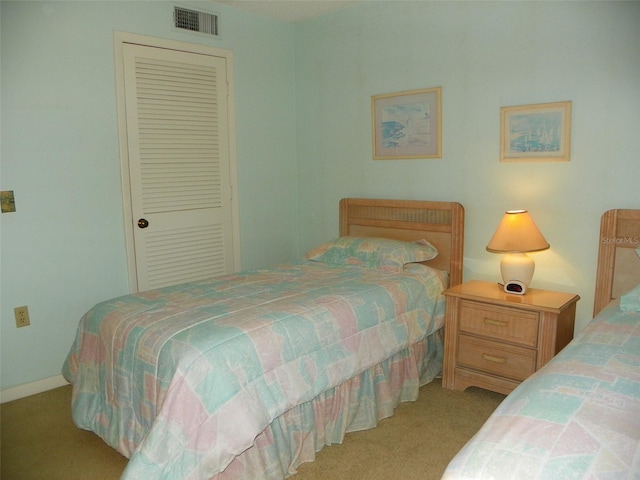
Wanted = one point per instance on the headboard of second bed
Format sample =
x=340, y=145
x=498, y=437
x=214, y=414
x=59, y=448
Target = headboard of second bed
x=618, y=263
x=441, y=223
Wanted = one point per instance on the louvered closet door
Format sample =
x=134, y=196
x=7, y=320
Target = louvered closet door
x=176, y=109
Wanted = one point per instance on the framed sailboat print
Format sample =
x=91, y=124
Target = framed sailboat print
x=536, y=133
x=407, y=124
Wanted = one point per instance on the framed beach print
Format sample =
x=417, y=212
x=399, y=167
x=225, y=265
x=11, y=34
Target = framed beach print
x=536, y=133
x=407, y=124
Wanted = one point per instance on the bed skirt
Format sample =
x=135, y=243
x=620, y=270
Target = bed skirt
x=357, y=404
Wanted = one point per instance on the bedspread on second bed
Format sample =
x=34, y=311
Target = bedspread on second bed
x=183, y=379
x=576, y=418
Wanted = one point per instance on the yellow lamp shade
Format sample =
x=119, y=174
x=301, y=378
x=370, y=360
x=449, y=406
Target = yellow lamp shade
x=517, y=233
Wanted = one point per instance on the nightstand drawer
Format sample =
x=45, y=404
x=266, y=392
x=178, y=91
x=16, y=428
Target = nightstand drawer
x=507, y=361
x=501, y=323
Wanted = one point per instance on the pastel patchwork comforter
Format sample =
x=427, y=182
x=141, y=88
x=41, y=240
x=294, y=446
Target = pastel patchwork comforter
x=577, y=418
x=183, y=379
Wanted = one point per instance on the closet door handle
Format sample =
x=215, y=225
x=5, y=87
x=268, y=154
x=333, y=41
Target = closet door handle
x=142, y=223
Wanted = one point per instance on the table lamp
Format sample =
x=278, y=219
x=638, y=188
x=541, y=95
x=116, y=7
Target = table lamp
x=516, y=235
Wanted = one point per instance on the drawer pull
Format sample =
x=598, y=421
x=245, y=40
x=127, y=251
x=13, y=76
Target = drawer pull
x=491, y=358
x=497, y=323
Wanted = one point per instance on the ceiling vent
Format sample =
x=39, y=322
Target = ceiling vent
x=195, y=21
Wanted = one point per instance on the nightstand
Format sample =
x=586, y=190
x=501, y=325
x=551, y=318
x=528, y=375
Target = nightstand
x=495, y=340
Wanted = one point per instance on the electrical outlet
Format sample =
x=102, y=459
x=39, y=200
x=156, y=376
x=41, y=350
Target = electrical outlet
x=22, y=316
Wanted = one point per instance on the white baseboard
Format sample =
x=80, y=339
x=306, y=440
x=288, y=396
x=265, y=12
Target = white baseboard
x=28, y=389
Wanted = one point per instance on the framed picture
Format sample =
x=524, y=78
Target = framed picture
x=407, y=124
x=536, y=133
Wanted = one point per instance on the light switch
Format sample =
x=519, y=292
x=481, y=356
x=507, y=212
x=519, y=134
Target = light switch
x=8, y=201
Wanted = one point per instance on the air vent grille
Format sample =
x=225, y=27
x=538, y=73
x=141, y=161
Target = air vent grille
x=195, y=21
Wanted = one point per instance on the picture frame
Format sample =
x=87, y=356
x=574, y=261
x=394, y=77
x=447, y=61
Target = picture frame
x=536, y=133
x=407, y=125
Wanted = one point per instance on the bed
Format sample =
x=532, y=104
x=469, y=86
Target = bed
x=249, y=375
x=579, y=416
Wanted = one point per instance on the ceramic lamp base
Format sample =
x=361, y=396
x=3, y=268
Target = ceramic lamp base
x=517, y=266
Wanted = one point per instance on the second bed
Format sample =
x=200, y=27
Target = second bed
x=249, y=375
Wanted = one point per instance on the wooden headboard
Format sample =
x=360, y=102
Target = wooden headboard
x=441, y=223
x=618, y=264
